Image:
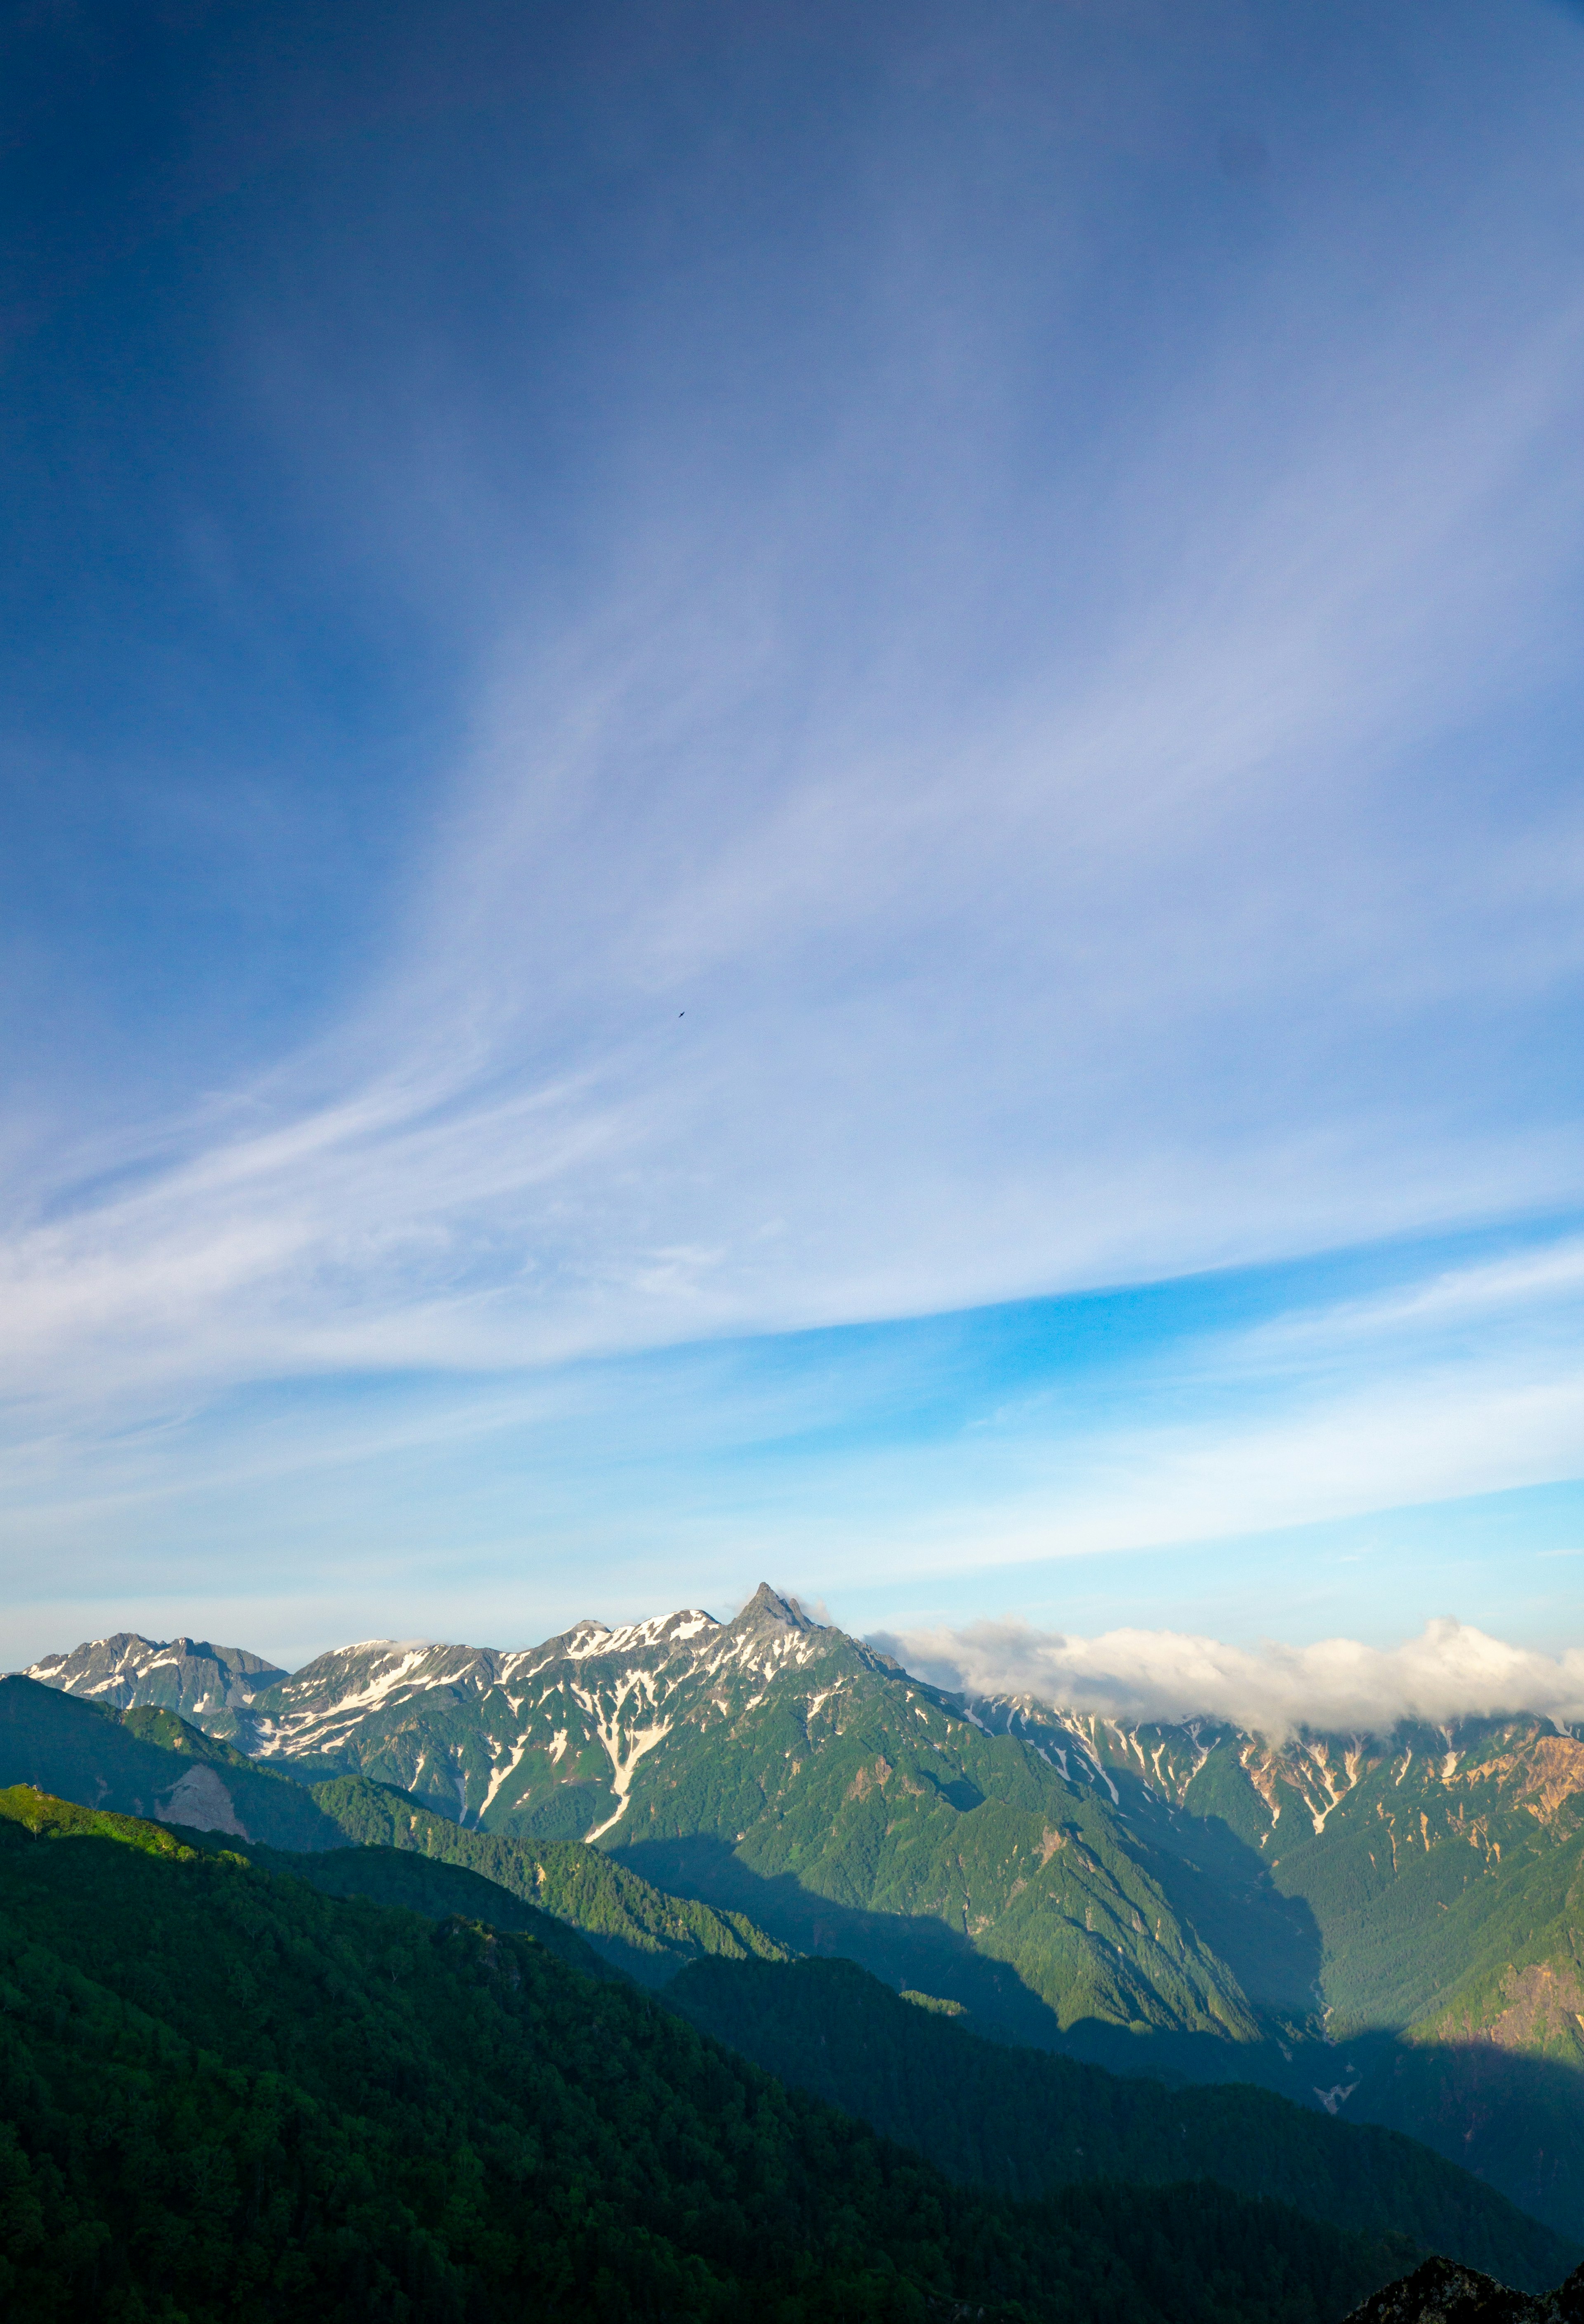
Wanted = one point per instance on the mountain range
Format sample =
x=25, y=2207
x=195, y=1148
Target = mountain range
x=1387, y=1927
x=228, y=2096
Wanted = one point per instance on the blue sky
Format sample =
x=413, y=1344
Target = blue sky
x=792, y=791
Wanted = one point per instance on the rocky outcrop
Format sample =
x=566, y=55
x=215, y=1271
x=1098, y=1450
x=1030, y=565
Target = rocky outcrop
x=1442, y=2292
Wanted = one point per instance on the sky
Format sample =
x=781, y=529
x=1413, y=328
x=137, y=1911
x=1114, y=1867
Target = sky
x=793, y=792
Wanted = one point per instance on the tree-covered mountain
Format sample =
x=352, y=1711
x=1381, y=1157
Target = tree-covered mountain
x=626, y=1919
x=1023, y=2121
x=225, y=2095
x=1020, y=2122
x=1433, y=1884
x=1420, y=1862
x=407, y=1856
x=1387, y=1926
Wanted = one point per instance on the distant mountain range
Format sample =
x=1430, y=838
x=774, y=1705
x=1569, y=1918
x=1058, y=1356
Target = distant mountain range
x=1387, y=1926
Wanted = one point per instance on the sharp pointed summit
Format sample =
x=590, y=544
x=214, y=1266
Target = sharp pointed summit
x=768, y=1609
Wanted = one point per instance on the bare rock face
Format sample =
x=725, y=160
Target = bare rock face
x=212, y=1686
x=201, y=1801
x=1442, y=2292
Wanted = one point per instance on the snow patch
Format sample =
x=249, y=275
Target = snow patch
x=501, y=1775
x=624, y=1763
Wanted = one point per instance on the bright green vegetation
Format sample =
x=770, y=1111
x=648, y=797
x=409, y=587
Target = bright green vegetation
x=1023, y=2122
x=629, y=1921
x=227, y=2095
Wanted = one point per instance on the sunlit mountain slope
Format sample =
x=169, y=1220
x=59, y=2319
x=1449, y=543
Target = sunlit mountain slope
x=1387, y=1926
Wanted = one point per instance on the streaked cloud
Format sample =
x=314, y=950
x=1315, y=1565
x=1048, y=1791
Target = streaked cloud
x=1023, y=748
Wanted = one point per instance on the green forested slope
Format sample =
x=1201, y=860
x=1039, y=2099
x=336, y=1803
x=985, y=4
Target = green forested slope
x=419, y=1883
x=1495, y=2074
x=628, y=1920
x=1520, y=1983
x=225, y=2095
x=1422, y=1863
x=1023, y=2122
x=1441, y=1874
x=850, y=1810
x=147, y=1762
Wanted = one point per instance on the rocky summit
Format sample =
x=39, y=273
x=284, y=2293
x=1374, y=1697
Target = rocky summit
x=1440, y=2291
x=210, y=1685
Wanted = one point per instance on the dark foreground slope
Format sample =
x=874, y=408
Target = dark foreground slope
x=1019, y=2122
x=417, y=1884
x=225, y=2095
x=1023, y=2122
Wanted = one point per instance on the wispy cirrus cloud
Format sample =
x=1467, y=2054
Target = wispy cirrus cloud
x=1044, y=775
x=911, y=926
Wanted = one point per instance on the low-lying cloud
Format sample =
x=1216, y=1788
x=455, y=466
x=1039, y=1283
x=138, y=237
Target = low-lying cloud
x=1449, y=1672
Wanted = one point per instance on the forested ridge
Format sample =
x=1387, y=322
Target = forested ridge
x=225, y=2094
x=1017, y=2121
x=1023, y=2121
x=629, y=1921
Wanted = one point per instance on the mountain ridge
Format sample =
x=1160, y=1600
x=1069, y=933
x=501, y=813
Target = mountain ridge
x=407, y=1856
x=1384, y=1926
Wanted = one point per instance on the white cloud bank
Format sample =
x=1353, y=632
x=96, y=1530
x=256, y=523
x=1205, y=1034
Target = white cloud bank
x=1339, y=1686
